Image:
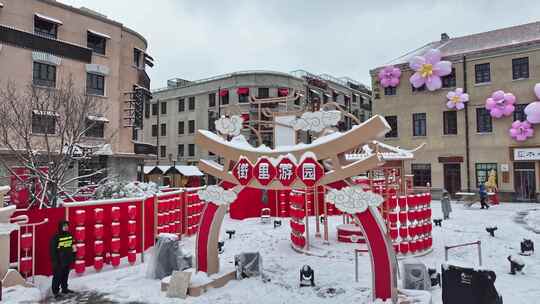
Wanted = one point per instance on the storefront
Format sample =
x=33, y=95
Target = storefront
x=524, y=162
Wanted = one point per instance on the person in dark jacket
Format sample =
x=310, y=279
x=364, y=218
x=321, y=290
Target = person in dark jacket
x=62, y=250
x=483, y=196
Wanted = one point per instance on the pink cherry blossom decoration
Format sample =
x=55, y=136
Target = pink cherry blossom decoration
x=500, y=104
x=456, y=99
x=389, y=76
x=429, y=69
x=521, y=130
x=533, y=109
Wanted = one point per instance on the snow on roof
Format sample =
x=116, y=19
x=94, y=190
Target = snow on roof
x=48, y=113
x=99, y=34
x=490, y=40
x=50, y=19
x=98, y=118
x=184, y=170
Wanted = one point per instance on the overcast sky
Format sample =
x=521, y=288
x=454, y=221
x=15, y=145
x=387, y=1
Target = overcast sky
x=195, y=39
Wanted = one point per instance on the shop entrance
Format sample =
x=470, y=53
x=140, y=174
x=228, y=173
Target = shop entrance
x=524, y=181
x=452, y=177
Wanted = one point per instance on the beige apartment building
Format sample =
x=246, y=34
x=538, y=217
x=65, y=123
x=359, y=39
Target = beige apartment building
x=463, y=146
x=43, y=42
x=184, y=106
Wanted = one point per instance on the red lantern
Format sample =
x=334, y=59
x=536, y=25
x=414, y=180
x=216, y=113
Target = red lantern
x=115, y=214
x=396, y=247
x=393, y=232
x=26, y=241
x=80, y=267
x=131, y=227
x=403, y=232
x=132, y=212
x=411, y=201
x=429, y=242
x=404, y=247
x=81, y=250
x=80, y=217
x=413, y=245
x=161, y=207
x=98, y=231
x=115, y=245
x=98, y=247
x=132, y=242
x=392, y=202
x=413, y=231
x=115, y=229
x=403, y=217
x=98, y=263
x=25, y=265
x=132, y=257
x=79, y=233
x=98, y=215
x=393, y=217
x=115, y=259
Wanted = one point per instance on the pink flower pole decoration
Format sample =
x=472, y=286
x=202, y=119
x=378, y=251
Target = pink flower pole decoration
x=456, y=99
x=389, y=76
x=500, y=104
x=429, y=69
x=521, y=130
x=532, y=110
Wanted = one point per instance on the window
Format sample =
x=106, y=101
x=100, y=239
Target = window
x=155, y=108
x=482, y=73
x=163, y=129
x=191, y=126
x=264, y=93
x=519, y=112
x=180, y=151
x=450, y=122
x=147, y=109
x=449, y=81
x=43, y=123
x=324, y=97
x=335, y=96
x=392, y=121
x=137, y=57
x=163, y=151
x=45, y=28
x=163, y=108
x=181, y=128
x=191, y=150
x=420, y=89
x=154, y=130
x=483, y=121
x=44, y=75
x=520, y=68
x=181, y=105
x=95, y=84
x=225, y=99
x=96, y=43
x=243, y=98
x=95, y=128
x=390, y=91
x=212, y=99
x=191, y=103
x=419, y=124
x=483, y=170
x=421, y=174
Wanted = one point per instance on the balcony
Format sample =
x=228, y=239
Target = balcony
x=144, y=79
x=18, y=38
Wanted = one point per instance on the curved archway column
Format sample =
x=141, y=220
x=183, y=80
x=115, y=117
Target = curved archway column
x=207, y=255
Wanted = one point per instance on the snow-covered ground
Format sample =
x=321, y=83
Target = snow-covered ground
x=336, y=269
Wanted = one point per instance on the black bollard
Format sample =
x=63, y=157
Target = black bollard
x=438, y=222
x=527, y=247
x=220, y=247
x=491, y=230
x=230, y=233
x=307, y=276
x=515, y=264
x=277, y=223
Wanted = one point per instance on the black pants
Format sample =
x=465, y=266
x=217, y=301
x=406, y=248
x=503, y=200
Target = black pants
x=483, y=203
x=60, y=278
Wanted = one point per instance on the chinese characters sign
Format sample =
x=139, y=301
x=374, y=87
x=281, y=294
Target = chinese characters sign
x=286, y=171
x=527, y=154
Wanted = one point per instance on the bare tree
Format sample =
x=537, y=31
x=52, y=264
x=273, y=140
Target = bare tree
x=45, y=128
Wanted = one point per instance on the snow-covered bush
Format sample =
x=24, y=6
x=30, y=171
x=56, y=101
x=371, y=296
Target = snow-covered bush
x=120, y=189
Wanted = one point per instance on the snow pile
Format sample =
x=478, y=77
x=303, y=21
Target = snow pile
x=533, y=220
x=118, y=189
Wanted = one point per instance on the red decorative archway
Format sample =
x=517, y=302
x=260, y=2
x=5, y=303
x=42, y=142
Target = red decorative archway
x=381, y=252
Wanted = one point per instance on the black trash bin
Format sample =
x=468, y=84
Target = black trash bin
x=469, y=286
